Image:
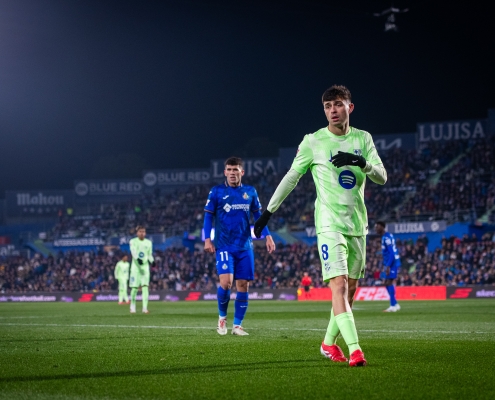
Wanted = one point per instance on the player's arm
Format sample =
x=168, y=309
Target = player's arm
x=371, y=165
x=300, y=165
x=207, y=225
x=374, y=166
x=150, y=257
x=270, y=243
x=135, y=252
x=208, y=221
x=116, y=272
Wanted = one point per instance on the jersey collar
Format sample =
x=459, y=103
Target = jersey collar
x=227, y=185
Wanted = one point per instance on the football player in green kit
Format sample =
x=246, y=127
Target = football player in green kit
x=340, y=158
x=121, y=273
x=142, y=257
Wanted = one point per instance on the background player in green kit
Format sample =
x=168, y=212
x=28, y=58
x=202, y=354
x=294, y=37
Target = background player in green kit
x=142, y=257
x=121, y=273
x=340, y=157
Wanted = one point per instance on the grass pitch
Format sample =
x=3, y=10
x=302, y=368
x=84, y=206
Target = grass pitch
x=434, y=350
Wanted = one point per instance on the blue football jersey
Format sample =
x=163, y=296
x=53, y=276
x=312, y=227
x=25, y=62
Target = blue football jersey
x=232, y=207
x=391, y=257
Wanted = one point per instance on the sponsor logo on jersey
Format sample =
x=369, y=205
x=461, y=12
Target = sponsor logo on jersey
x=243, y=207
x=347, y=179
x=245, y=196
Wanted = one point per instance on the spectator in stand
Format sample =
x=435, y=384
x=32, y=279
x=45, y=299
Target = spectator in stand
x=456, y=262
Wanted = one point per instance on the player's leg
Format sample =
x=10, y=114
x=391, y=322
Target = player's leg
x=145, y=281
x=356, y=264
x=243, y=274
x=333, y=256
x=145, y=295
x=126, y=296
x=134, y=284
x=121, y=292
x=225, y=272
x=389, y=284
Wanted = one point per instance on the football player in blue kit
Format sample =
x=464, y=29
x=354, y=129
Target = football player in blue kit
x=231, y=205
x=391, y=263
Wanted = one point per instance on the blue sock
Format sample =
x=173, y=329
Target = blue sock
x=223, y=297
x=241, y=304
x=391, y=292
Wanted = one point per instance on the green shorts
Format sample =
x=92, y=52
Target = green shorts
x=139, y=276
x=341, y=255
x=122, y=284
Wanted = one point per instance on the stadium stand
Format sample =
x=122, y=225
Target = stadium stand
x=454, y=181
x=459, y=261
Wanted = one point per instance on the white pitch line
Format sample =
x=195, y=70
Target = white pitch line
x=32, y=316
x=213, y=328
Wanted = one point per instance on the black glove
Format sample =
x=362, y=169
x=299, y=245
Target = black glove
x=353, y=160
x=140, y=262
x=151, y=264
x=261, y=222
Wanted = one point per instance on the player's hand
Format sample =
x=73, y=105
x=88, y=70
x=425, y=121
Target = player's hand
x=209, y=246
x=261, y=222
x=140, y=262
x=353, y=160
x=270, y=244
x=388, y=271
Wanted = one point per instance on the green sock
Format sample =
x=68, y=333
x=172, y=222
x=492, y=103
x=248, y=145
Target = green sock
x=347, y=327
x=145, y=292
x=332, y=331
x=126, y=297
x=121, y=296
x=133, y=296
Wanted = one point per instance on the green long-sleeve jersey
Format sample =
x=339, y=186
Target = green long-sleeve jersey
x=122, y=271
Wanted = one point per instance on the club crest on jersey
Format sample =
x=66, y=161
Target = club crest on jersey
x=245, y=196
x=347, y=179
x=141, y=254
x=358, y=152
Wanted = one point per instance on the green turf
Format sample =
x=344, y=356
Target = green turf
x=435, y=350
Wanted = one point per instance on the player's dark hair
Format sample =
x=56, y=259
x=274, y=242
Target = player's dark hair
x=139, y=227
x=381, y=223
x=233, y=161
x=336, y=92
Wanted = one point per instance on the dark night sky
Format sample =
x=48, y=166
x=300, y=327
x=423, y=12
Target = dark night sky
x=174, y=84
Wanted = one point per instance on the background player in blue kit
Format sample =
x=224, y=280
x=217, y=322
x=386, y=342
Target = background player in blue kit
x=232, y=203
x=391, y=263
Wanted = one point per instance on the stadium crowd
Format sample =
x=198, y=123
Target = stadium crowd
x=469, y=185
x=459, y=261
x=438, y=182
